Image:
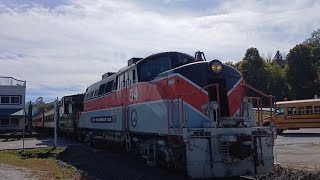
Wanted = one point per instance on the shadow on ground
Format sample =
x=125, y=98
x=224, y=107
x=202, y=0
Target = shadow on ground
x=111, y=165
x=300, y=135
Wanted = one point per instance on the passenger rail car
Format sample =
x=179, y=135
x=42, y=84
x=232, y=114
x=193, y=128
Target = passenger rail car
x=68, y=116
x=70, y=110
x=180, y=111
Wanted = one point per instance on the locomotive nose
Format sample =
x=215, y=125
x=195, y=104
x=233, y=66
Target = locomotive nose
x=216, y=66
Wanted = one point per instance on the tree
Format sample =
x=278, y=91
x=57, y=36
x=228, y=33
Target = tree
x=253, y=69
x=278, y=58
x=276, y=81
x=303, y=71
x=314, y=39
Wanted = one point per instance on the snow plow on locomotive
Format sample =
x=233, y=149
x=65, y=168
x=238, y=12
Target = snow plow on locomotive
x=182, y=112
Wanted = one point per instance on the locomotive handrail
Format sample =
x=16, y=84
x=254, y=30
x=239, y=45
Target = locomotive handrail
x=259, y=108
x=271, y=98
x=206, y=87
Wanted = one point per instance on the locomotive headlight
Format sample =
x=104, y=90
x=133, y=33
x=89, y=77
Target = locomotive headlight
x=216, y=66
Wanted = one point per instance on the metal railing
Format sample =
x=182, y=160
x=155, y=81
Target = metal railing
x=10, y=81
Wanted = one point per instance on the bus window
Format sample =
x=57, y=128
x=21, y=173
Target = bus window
x=280, y=110
x=309, y=110
x=317, y=109
x=300, y=110
x=292, y=110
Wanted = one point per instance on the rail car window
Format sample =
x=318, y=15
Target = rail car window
x=102, y=88
x=91, y=94
x=108, y=87
x=150, y=69
x=292, y=110
x=309, y=110
x=316, y=109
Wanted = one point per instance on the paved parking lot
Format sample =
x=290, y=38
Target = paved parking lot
x=35, y=143
x=299, y=149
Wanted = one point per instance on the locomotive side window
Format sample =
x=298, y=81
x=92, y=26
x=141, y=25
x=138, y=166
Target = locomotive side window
x=120, y=79
x=183, y=59
x=126, y=80
x=101, y=88
x=115, y=83
x=108, y=87
x=133, y=76
x=153, y=67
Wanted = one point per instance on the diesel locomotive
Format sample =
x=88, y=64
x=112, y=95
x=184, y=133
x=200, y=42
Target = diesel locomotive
x=179, y=111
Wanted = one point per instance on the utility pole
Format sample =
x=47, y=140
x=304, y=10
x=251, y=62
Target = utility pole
x=56, y=111
x=30, y=118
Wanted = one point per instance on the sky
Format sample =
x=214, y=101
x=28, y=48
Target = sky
x=60, y=47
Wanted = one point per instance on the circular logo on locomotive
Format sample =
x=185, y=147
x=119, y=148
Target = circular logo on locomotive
x=134, y=118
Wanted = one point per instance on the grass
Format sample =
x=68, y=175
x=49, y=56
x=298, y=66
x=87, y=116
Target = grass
x=41, y=162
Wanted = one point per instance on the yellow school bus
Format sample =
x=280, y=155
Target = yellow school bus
x=296, y=114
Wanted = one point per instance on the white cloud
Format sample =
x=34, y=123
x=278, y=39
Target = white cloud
x=73, y=44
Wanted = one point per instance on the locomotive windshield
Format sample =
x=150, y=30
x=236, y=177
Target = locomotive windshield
x=153, y=67
x=156, y=64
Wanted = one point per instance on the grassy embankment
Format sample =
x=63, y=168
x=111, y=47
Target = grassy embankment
x=40, y=162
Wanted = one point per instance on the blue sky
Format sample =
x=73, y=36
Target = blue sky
x=61, y=46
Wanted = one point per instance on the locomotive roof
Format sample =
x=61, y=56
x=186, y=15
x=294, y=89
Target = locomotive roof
x=96, y=84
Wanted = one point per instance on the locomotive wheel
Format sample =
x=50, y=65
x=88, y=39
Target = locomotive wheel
x=88, y=138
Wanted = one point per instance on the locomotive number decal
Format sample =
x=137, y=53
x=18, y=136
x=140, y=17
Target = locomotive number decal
x=133, y=94
x=134, y=118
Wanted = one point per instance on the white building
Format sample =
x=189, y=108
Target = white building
x=12, y=101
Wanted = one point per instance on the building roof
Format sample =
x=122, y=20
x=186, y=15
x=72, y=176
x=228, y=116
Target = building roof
x=10, y=81
x=11, y=112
